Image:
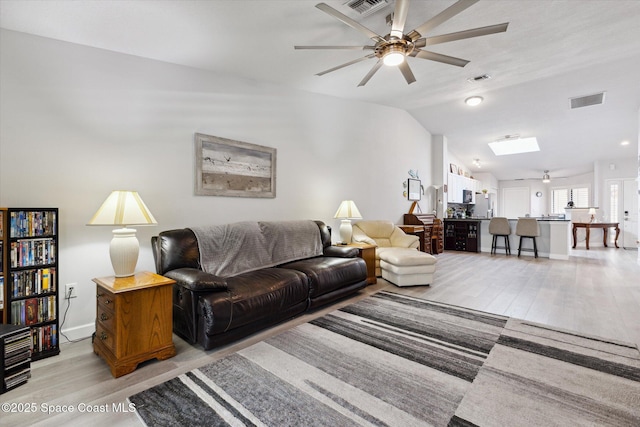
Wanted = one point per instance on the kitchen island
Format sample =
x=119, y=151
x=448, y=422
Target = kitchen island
x=554, y=240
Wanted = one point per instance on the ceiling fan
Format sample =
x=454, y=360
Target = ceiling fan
x=393, y=48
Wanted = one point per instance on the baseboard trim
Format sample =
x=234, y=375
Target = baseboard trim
x=77, y=332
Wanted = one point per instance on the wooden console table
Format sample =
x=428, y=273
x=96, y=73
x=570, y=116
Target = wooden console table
x=605, y=231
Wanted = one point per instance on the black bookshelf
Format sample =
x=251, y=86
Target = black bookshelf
x=31, y=276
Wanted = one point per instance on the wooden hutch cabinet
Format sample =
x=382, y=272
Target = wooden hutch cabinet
x=428, y=228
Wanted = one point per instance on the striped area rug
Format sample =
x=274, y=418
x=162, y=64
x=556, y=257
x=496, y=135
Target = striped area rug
x=393, y=360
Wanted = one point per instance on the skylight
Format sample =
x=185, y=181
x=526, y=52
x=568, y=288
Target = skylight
x=512, y=145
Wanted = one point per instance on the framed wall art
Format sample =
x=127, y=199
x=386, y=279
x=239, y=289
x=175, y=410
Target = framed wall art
x=414, y=190
x=226, y=167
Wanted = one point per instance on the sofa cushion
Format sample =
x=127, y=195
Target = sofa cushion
x=327, y=274
x=253, y=297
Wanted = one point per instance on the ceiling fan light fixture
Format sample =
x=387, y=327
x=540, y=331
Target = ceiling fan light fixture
x=394, y=56
x=472, y=101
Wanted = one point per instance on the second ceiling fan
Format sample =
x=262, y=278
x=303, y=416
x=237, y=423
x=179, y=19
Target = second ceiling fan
x=393, y=48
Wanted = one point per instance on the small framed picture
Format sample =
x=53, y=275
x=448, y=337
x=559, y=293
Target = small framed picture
x=414, y=191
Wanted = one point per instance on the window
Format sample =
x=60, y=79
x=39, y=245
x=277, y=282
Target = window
x=559, y=200
x=614, y=201
x=560, y=197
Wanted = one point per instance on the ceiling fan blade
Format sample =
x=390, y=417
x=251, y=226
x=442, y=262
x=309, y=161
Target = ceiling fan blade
x=337, y=47
x=355, y=61
x=370, y=74
x=399, y=18
x=432, y=56
x=443, y=16
x=406, y=72
x=350, y=22
x=466, y=34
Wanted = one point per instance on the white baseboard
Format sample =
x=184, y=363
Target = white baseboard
x=77, y=333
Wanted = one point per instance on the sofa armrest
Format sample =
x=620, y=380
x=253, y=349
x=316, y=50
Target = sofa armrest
x=341, y=251
x=400, y=239
x=197, y=280
x=359, y=236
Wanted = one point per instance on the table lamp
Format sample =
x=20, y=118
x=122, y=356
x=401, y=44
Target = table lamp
x=346, y=212
x=123, y=208
x=592, y=212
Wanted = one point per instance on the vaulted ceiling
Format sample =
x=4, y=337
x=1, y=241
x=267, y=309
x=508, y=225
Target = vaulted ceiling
x=553, y=50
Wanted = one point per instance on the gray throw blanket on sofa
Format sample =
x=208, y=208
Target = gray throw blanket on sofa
x=231, y=249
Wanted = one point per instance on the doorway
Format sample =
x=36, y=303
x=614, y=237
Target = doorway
x=516, y=202
x=622, y=203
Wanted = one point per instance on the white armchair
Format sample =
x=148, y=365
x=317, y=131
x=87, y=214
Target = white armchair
x=384, y=235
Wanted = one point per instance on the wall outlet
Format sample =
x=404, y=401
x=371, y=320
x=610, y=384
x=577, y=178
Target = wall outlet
x=70, y=291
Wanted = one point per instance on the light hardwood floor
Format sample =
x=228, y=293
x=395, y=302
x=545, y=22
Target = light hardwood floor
x=595, y=292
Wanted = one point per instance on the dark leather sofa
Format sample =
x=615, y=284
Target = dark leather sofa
x=213, y=310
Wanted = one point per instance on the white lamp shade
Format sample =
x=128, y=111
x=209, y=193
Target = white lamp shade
x=347, y=210
x=123, y=208
x=592, y=211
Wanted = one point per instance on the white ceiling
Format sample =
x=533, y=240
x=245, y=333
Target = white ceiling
x=552, y=51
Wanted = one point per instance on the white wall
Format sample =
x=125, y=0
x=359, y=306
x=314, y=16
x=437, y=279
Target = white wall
x=78, y=122
x=542, y=205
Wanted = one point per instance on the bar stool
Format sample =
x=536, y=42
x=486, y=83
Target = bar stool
x=528, y=228
x=499, y=227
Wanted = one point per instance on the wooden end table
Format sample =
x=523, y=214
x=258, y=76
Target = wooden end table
x=134, y=321
x=368, y=253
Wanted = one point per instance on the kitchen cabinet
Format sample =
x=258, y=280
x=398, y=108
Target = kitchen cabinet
x=456, y=184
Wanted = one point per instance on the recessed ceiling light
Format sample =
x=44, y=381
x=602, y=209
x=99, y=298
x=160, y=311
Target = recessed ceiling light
x=514, y=145
x=624, y=143
x=474, y=100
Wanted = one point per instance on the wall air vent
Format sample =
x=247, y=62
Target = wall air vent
x=585, y=101
x=367, y=7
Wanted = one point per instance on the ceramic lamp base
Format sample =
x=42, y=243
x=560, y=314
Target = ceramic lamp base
x=346, y=231
x=124, y=250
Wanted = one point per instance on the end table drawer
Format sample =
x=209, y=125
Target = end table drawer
x=105, y=298
x=105, y=337
x=105, y=317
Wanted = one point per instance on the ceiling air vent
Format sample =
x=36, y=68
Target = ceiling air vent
x=367, y=7
x=585, y=101
x=479, y=78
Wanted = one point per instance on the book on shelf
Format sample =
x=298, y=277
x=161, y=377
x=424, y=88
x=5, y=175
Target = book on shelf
x=44, y=338
x=1, y=292
x=33, y=252
x=33, y=282
x=31, y=313
x=33, y=310
x=32, y=223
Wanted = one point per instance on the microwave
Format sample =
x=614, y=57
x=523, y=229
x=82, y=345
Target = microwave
x=467, y=196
